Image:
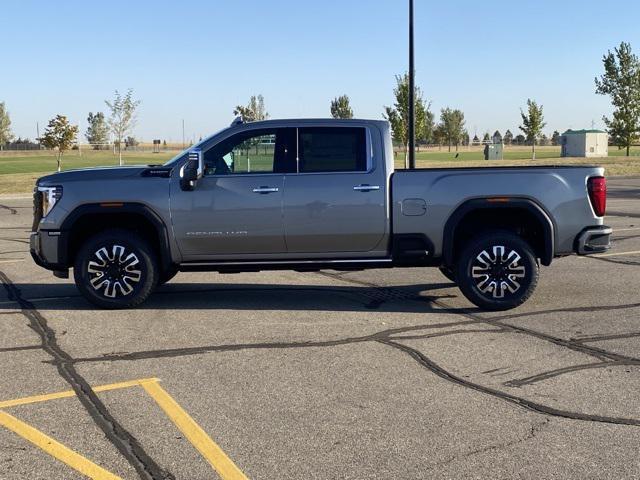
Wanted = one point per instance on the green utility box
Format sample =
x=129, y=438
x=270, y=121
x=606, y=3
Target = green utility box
x=494, y=151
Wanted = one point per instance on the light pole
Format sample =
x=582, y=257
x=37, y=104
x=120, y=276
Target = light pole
x=412, y=93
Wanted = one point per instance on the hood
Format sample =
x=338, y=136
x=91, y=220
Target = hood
x=97, y=173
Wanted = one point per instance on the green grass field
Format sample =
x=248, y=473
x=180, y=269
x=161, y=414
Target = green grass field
x=19, y=170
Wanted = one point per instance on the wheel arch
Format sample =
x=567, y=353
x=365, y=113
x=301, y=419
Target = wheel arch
x=524, y=215
x=87, y=220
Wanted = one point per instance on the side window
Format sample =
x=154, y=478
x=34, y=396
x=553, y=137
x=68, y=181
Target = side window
x=251, y=152
x=332, y=149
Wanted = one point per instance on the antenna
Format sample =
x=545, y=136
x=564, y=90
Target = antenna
x=412, y=92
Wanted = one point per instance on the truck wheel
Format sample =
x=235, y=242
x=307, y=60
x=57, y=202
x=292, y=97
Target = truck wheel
x=498, y=271
x=167, y=275
x=449, y=273
x=115, y=269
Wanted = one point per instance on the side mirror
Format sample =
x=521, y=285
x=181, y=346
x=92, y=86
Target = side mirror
x=192, y=171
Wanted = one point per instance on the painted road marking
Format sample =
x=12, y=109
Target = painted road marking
x=616, y=254
x=15, y=260
x=55, y=449
x=211, y=452
x=198, y=437
x=615, y=230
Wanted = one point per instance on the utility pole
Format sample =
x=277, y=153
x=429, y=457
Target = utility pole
x=412, y=93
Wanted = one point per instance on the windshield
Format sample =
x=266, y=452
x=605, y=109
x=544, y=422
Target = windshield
x=200, y=144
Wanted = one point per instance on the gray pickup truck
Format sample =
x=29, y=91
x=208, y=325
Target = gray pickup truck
x=308, y=195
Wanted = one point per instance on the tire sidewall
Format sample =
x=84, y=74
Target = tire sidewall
x=467, y=283
x=132, y=243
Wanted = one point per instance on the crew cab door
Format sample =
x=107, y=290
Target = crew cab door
x=236, y=208
x=336, y=202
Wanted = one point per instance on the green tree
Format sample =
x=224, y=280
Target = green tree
x=497, y=137
x=60, y=135
x=486, y=138
x=5, y=126
x=532, y=124
x=341, y=107
x=555, y=138
x=508, y=137
x=97, y=131
x=398, y=116
x=254, y=111
x=452, y=126
x=621, y=81
x=123, y=117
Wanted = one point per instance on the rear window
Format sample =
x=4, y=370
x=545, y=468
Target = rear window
x=332, y=150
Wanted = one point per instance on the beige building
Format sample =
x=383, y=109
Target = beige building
x=585, y=143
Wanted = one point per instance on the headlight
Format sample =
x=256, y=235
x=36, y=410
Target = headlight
x=49, y=197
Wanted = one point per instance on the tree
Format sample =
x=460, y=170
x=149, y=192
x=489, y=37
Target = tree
x=59, y=134
x=532, y=124
x=123, y=117
x=497, y=137
x=508, y=137
x=130, y=142
x=254, y=111
x=466, y=139
x=5, y=126
x=476, y=140
x=555, y=139
x=97, y=131
x=621, y=81
x=452, y=126
x=341, y=107
x=544, y=140
x=520, y=140
x=398, y=116
x=486, y=139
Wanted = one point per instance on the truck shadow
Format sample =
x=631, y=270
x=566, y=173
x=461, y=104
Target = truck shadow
x=242, y=296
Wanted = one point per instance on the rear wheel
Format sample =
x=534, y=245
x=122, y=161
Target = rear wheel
x=115, y=269
x=498, y=271
x=449, y=273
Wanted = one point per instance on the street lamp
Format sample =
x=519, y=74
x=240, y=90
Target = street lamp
x=412, y=93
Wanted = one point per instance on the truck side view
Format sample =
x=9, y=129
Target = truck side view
x=308, y=195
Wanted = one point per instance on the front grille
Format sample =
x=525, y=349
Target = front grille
x=37, y=209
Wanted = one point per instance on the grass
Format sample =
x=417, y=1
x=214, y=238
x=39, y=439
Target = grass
x=19, y=170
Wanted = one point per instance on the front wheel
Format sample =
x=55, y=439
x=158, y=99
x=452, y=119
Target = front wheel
x=497, y=271
x=115, y=269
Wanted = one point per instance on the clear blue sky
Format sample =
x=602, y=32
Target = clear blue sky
x=197, y=59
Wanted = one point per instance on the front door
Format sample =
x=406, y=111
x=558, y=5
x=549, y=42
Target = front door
x=236, y=208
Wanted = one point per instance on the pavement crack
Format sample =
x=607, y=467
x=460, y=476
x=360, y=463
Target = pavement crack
x=126, y=443
x=13, y=211
x=430, y=365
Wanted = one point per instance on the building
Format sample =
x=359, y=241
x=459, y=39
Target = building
x=585, y=143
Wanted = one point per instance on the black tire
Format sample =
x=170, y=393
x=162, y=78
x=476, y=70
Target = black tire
x=449, y=273
x=115, y=269
x=497, y=271
x=167, y=275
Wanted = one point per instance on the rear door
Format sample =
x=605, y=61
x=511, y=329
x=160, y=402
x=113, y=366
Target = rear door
x=336, y=202
x=236, y=209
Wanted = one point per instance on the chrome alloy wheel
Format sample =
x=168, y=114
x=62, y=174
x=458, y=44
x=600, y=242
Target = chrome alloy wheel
x=116, y=273
x=498, y=272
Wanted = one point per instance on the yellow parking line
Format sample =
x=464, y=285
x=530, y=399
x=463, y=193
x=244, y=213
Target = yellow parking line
x=198, y=437
x=71, y=393
x=617, y=254
x=55, y=449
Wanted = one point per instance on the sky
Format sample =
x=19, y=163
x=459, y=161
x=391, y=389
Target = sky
x=195, y=60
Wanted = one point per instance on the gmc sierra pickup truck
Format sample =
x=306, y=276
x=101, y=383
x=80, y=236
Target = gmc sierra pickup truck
x=308, y=195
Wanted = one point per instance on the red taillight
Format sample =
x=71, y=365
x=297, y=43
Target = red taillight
x=598, y=195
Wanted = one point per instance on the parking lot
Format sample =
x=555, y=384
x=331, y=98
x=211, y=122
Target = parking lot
x=383, y=374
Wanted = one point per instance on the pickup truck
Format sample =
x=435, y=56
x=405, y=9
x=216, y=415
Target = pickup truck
x=309, y=195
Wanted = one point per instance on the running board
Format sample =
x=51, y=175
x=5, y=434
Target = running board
x=297, y=265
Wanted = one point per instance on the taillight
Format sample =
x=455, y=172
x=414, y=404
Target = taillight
x=598, y=195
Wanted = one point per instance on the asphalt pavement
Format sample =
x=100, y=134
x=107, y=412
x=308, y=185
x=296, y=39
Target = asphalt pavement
x=381, y=374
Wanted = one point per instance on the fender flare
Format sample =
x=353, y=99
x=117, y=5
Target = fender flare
x=488, y=203
x=115, y=208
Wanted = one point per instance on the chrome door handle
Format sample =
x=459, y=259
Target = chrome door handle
x=266, y=190
x=366, y=188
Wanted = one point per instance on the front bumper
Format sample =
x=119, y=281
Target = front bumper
x=46, y=248
x=594, y=240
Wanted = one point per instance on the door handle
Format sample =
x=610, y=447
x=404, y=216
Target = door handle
x=366, y=188
x=266, y=190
